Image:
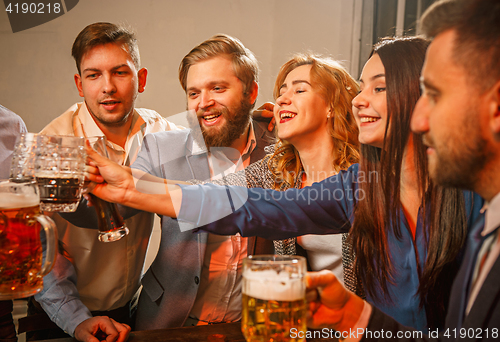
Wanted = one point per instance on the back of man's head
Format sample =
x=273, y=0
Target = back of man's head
x=104, y=33
x=244, y=62
x=477, y=43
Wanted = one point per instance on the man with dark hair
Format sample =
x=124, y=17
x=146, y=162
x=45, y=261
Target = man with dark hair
x=105, y=33
x=459, y=118
x=106, y=275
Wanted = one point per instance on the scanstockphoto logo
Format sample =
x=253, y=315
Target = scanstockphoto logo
x=24, y=15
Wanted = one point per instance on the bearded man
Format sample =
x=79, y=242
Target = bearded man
x=196, y=278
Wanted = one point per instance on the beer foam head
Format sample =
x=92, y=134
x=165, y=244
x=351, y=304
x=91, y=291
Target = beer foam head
x=11, y=201
x=271, y=285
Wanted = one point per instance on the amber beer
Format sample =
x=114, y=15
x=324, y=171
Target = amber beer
x=274, y=299
x=20, y=246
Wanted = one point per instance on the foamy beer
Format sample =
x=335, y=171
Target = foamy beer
x=21, y=268
x=273, y=293
x=59, y=171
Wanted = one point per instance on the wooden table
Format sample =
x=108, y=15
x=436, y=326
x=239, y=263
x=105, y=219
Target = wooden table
x=231, y=332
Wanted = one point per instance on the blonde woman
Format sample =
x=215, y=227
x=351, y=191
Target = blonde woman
x=318, y=137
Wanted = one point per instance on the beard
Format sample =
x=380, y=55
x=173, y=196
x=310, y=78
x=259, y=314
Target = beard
x=458, y=163
x=236, y=122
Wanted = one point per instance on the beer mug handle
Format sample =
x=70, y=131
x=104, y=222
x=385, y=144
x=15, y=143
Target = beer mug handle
x=51, y=243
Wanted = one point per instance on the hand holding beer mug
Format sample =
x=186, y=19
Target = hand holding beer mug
x=60, y=171
x=21, y=268
x=111, y=224
x=274, y=298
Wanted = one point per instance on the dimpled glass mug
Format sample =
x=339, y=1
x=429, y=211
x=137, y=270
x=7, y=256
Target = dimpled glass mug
x=23, y=158
x=21, y=269
x=274, y=298
x=60, y=171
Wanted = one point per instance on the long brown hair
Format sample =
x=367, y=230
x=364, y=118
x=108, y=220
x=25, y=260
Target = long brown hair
x=338, y=88
x=443, y=211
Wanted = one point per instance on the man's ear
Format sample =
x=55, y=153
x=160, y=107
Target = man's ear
x=142, y=75
x=253, y=92
x=493, y=98
x=78, y=82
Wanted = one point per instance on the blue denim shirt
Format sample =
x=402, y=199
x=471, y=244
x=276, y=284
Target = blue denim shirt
x=59, y=297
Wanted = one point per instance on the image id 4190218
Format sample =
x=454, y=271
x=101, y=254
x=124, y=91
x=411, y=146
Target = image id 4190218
x=25, y=14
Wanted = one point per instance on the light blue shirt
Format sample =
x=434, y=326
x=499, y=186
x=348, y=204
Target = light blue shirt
x=11, y=126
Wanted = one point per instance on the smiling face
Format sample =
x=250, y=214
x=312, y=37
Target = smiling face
x=110, y=83
x=300, y=111
x=370, y=106
x=216, y=95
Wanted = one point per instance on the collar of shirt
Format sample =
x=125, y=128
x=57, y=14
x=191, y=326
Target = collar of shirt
x=198, y=147
x=492, y=216
x=223, y=162
x=490, y=249
x=90, y=128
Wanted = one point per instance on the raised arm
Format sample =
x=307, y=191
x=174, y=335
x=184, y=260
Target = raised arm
x=324, y=208
x=131, y=187
x=255, y=175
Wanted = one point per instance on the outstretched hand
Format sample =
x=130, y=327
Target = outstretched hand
x=109, y=180
x=265, y=113
x=330, y=305
x=102, y=328
x=131, y=187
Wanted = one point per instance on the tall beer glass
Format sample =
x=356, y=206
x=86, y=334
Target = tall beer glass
x=21, y=268
x=274, y=298
x=60, y=171
x=111, y=224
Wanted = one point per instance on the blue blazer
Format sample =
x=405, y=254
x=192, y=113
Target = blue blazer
x=483, y=321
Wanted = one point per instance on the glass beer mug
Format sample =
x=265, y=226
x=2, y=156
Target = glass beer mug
x=274, y=298
x=60, y=171
x=21, y=269
x=23, y=158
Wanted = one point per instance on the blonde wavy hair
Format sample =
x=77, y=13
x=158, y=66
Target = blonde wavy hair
x=338, y=88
